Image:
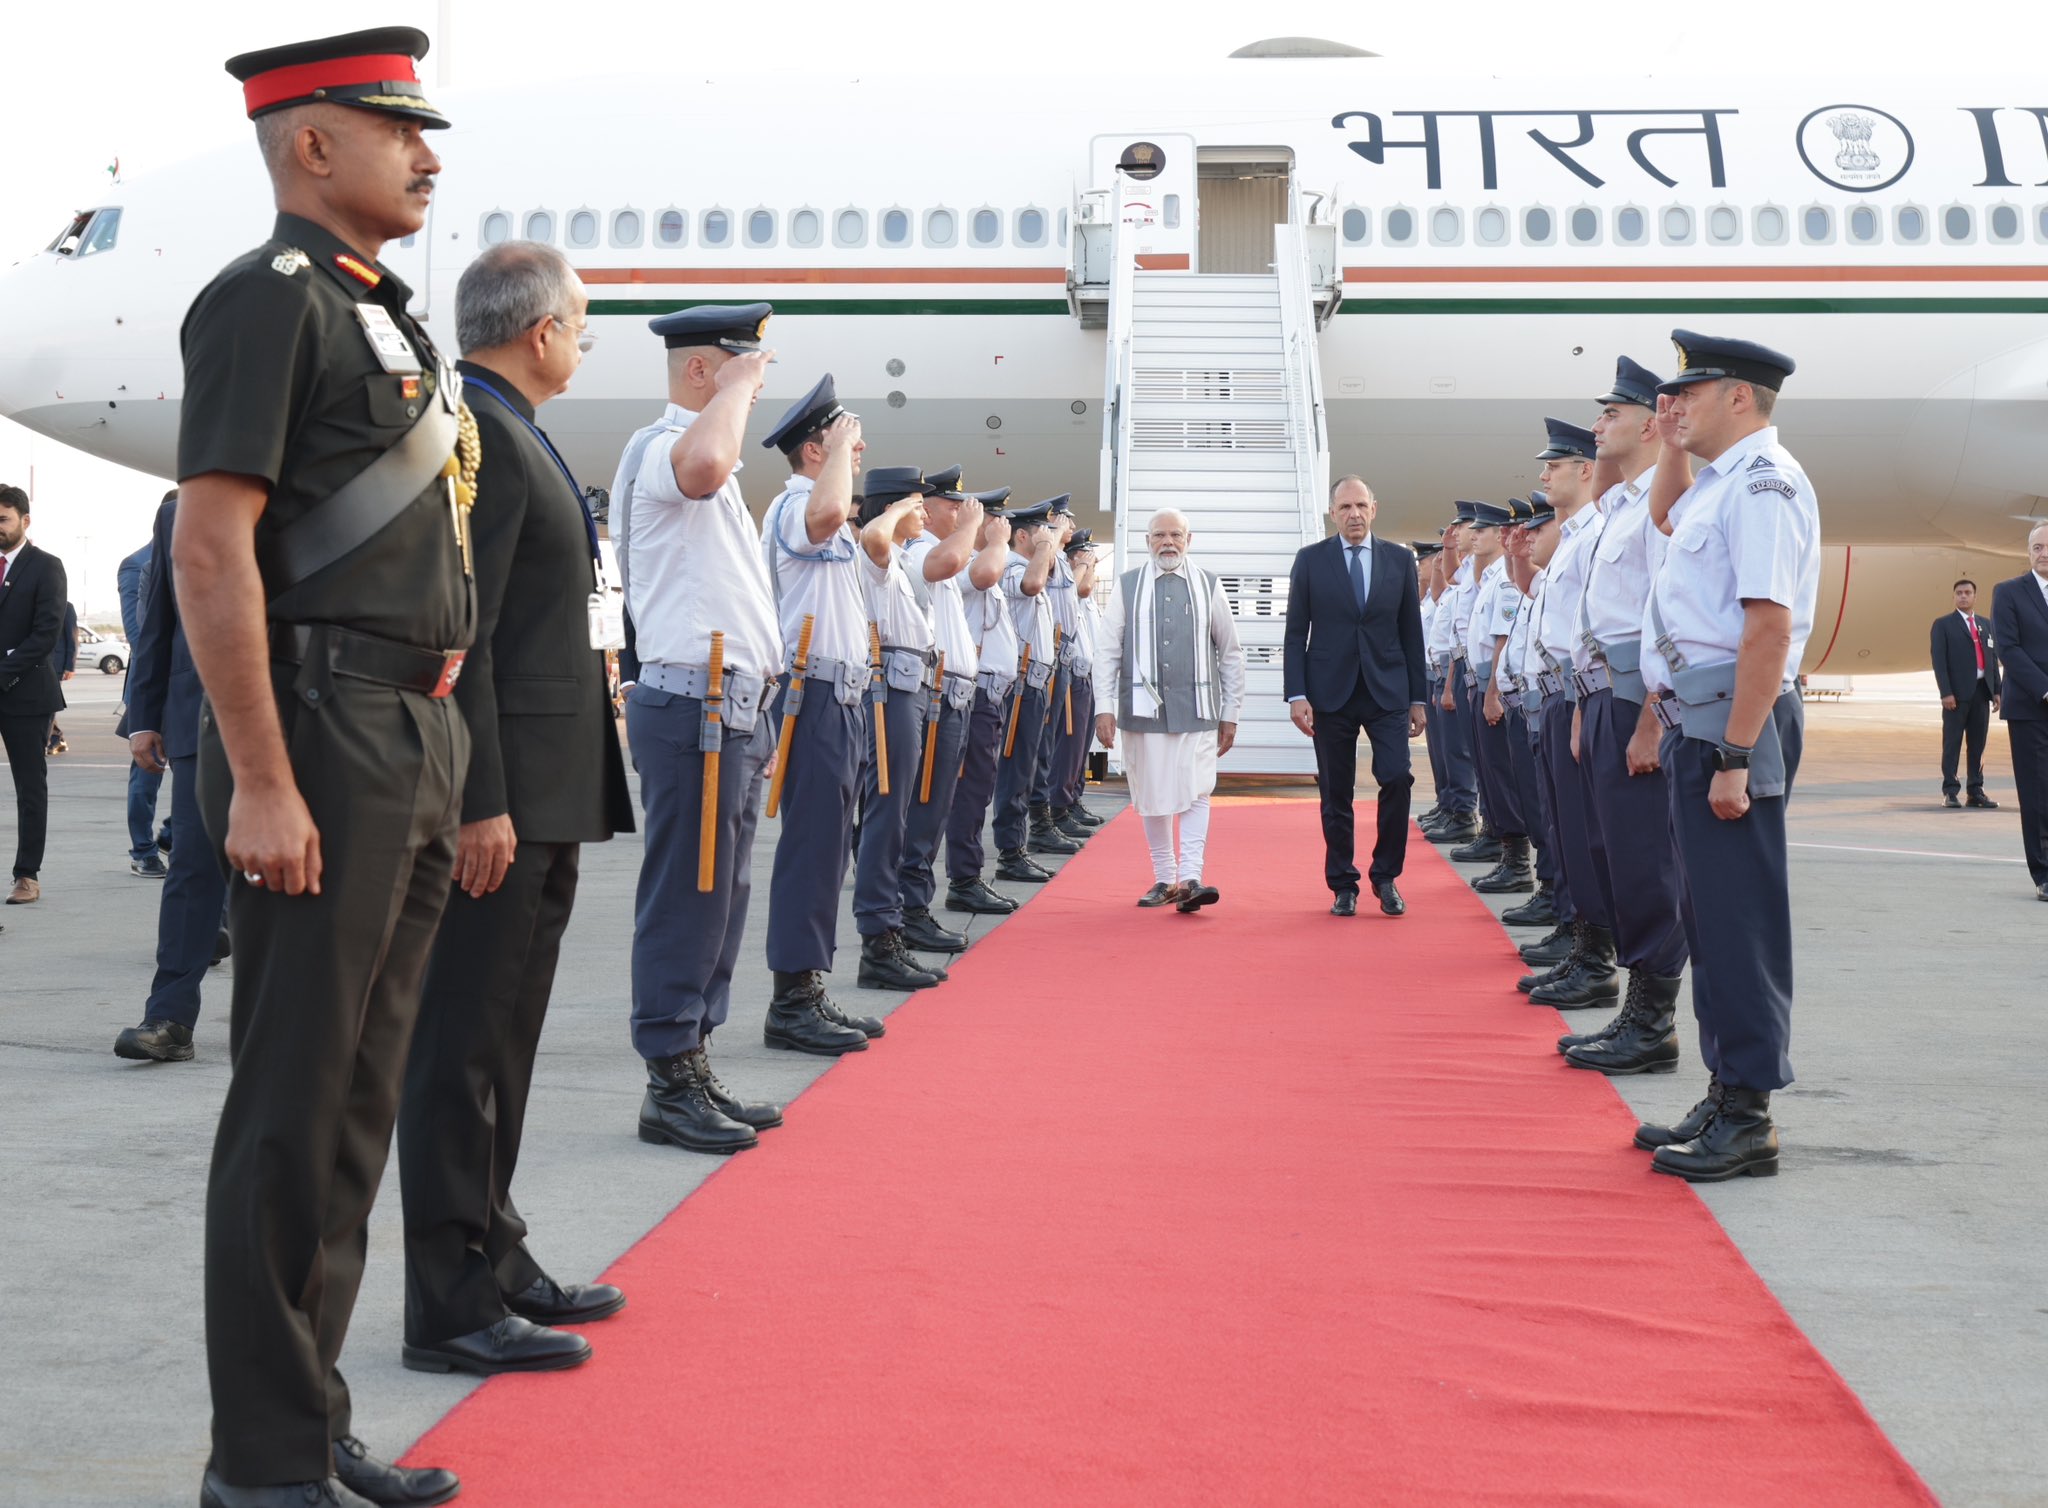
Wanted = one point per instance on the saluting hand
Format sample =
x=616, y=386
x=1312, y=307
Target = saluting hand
x=842, y=432
x=272, y=839
x=1667, y=421
x=483, y=852
x=747, y=370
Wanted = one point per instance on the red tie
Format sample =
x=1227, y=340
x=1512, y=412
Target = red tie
x=1975, y=642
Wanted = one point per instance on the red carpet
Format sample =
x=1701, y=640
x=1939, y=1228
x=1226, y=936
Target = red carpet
x=1256, y=1207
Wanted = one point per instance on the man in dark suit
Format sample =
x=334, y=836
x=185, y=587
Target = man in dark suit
x=33, y=598
x=145, y=844
x=2019, y=626
x=163, y=734
x=1355, y=663
x=1966, y=673
x=545, y=776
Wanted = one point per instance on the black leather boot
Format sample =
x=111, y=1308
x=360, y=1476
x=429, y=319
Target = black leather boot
x=1592, y=980
x=1650, y=1137
x=1429, y=816
x=921, y=932
x=885, y=968
x=1015, y=865
x=1080, y=813
x=900, y=945
x=1738, y=1138
x=976, y=899
x=1629, y=1005
x=1552, y=948
x=762, y=1115
x=1646, y=1037
x=868, y=1026
x=1046, y=837
x=1574, y=943
x=1483, y=849
x=157, y=1041
x=1540, y=910
x=1454, y=827
x=1064, y=819
x=1513, y=875
x=795, y=1023
x=678, y=1109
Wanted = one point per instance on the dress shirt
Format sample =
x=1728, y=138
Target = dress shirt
x=820, y=581
x=1625, y=559
x=1557, y=626
x=951, y=635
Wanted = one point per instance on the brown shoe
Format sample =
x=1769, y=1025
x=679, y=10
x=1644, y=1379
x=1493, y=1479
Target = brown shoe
x=25, y=890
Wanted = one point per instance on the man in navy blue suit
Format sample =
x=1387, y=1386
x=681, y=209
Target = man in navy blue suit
x=144, y=841
x=1965, y=657
x=1354, y=663
x=2019, y=624
x=163, y=733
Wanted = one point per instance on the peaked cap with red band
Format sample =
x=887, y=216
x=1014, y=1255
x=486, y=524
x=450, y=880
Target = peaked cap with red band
x=369, y=70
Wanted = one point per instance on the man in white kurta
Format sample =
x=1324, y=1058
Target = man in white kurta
x=1168, y=662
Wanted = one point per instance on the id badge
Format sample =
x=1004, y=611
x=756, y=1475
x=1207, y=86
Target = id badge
x=394, y=352
x=607, y=620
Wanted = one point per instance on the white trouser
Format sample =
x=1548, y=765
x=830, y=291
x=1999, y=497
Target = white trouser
x=1194, y=838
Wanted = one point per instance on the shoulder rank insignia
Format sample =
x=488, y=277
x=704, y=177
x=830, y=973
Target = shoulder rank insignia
x=290, y=261
x=369, y=277
x=1774, y=484
x=1763, y=462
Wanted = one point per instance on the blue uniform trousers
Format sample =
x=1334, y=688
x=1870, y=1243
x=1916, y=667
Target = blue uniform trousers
x=188, y=915
x=878, y=870
x=1578, y=850
x=1521, y=752
x=1017, y=774
x=686, y=942
x=1051, y=742
x=1737, y=908
x=1072, y=779
x=1433, y=741
x=981, y=750
x=1460, y=791
x=1495, y=747
x=832, y=745
x=924, y=822
x=143, y=786
x=1633, y=816
x=1549, y=869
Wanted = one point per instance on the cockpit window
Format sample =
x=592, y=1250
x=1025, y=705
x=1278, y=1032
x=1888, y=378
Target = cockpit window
x=89, y=231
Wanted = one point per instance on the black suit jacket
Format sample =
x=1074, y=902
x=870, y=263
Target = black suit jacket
x=2019, y=619
x=1330, y=644
x=163, y=684
x=1955, y=660
x=32, y=603
x=543, y=747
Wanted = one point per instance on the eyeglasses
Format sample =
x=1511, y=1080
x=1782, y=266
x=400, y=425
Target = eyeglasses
x=584, y=339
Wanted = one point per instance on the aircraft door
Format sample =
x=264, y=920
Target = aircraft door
x=1152, y=192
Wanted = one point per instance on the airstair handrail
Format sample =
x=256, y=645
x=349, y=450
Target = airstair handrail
x=1116, y=385
x=1306, y=416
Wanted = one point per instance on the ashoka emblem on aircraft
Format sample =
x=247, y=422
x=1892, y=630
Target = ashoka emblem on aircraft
x=1852, y=146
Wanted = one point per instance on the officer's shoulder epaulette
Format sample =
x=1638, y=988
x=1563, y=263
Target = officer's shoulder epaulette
x=1764, y=461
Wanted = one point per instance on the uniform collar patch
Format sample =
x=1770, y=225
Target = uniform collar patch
x=369, y=277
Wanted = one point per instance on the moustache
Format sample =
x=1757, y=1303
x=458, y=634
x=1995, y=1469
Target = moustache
x=421, y=185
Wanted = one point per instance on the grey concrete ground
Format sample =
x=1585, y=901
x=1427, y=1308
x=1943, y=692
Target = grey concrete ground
x=1905, y=1234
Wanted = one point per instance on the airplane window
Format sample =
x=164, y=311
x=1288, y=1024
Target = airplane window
x=2005, y=224
x=1957, y=223
x=2041, y=223
x=1863, y=225
x=939, y=228
x=1538, y=227
x=66, y=241
x=583, y=228
x=496, y=227
x=850, y=228
x=540, y=226
x=1491, y=227
x=1585, y=226
x=626, y=227
x=1629, y=228
x=1817, y=224
x=1400, y=225
x=1446, y=227
x=1724, y=226
x=1770, y=225
x=805, y=228
x=986, y=229
x=106, y=229
x=1910, y=224
x=1675, y=225
x=1169, y=211
x=714, y=228
x=895, y=227
x=1357, y=226
x=1030, y=227
x=761, y=227
x=671, y=227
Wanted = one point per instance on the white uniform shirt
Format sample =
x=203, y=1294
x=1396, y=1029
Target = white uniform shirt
x=1625, y=561
x=1493, y=612
x=820, y=581
x=1747, y=527
x=1557, y=624
x=950, y=634
x=893, y=603
x=1516, y=672
x=1065, y=603
x=988, y=619
x=695, y=564
x=1087, y=618
x=1031, y=617
x=1429, y=625
x=1464, y=588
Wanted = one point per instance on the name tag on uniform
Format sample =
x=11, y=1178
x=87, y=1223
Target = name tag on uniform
x=607, y=620
x=394, y=351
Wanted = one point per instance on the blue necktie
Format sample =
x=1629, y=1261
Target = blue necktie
x=1358, y=574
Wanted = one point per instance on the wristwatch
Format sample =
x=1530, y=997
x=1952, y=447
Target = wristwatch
x=1728, y=757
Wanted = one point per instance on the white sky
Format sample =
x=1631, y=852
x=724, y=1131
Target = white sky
x=142, y=82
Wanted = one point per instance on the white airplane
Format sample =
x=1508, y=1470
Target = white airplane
x=1478, y=251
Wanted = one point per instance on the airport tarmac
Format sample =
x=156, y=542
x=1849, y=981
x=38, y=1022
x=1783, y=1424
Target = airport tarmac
x=1905, y=1236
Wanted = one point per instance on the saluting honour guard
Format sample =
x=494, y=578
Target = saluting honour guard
x=1454, y=817
x=1467, y=827
x=1039, y=530
x=1724, y=627
x=995, y=639
x=891, y=514
x=545, y=776
x=1586, y=974
x=709, y=648
x=1493, y=615
x=1551, y=905
x=1427, y=555
x=1526, y=517
x=1070, y=714
x=1169, y=662
x=1618, y=735
x=813, y=556
x=321, y=546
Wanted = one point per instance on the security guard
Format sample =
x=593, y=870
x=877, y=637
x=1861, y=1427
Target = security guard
x=321, y=546
x=892, y=513
x=813, y=554
x=1618, y=738
x=692, y=568
x=1064, y=764
x=1724, y=627
x=1527, y=517
x=1466, y=826
x=995, y=638
x=1493, y=617
x=1039, y=529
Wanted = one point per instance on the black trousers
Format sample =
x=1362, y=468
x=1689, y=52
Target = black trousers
x=1969, y=719
x=1336, y=741
x=27, y=742
x=188, y=916
x=326, y=991
x=466, y=1084
x=2030, y=774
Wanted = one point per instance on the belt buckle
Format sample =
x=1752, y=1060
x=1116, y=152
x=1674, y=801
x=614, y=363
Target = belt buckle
x=451, y=672
x=1665, y=715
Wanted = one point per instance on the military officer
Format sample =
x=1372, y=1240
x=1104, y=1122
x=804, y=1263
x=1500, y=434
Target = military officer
x=995, y=640
x=1526, y=518
x=1072, y=710
x=1493, y=616
x=1541, y=694
x=1724, y=626
x=692, y=567
x=1617, y=741
x=1035, y=537
x=1466, y=827
x=322, y=559
x=813, y=554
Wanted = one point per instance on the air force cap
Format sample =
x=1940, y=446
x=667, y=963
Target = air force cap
x=1566, y=442
x=1531, y=512
x=992, y=501
x=735, y=327
x=1039, y=513
x=946, y=484
x=889, y=484
x=1082, y=539
x=1633, y=383
x=1489, y=516
x=1707, y=358
x=1464, y=513
x=367, y=70
x=811, y=413
x=1424, y=548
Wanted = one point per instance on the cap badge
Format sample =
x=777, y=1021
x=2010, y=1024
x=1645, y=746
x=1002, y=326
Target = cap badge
x=290, y=261
x=1684, y=360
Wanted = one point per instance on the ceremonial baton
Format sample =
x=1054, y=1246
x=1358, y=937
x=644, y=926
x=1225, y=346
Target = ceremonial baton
x=879, y=692
x=931, y=727
x=1017, y=707
x=792, y=704
x=709, y=741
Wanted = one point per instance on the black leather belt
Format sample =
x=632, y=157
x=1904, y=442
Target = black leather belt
x=365, y=657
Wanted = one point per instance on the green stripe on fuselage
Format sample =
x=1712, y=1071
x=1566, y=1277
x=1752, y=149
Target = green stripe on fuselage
x=652, y=306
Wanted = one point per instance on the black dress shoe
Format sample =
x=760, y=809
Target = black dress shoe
x=762, y=1115
x=976, y=899
x=885, y=968
x=1650, y=1137
x=1194, y=895
x=1738, y=1138
x=1981, y=802
x=922, y=932
x=547, y=1302
x=1158, y=895
x=1952, y=802
x=156, y=1042
x=1015, y=865
x=381, y=1482
x=222, y=947
x=1459, y=828
x=795, y=1023
x=329, y=1493
x=1346, y=903
x=2041, y=891
x=679, y=1111
x=1389, y=895
x=513, y=1344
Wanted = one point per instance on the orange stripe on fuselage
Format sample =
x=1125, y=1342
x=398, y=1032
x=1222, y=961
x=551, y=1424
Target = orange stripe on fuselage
x=1696, y=274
